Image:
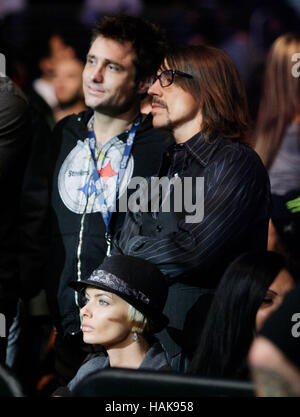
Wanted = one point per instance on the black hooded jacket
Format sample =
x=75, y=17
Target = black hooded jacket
x=62, y=216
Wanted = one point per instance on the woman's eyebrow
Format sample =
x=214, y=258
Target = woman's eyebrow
x=99, y=294
x=103, y=294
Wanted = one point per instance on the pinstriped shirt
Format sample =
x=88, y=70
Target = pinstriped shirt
x=236, y=201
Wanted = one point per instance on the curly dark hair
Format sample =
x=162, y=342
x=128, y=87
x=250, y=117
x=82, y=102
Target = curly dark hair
x=148, y=41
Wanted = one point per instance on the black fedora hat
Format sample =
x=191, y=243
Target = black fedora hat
x=136, y=281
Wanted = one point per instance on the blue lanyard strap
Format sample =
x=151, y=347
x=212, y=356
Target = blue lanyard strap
x=95, y=177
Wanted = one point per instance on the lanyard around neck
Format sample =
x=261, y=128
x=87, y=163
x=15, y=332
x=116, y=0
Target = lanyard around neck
x=105, y=212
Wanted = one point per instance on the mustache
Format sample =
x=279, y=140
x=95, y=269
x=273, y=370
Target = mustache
x=159, y=102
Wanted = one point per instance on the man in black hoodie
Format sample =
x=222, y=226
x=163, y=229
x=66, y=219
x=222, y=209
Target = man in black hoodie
x=93, y=156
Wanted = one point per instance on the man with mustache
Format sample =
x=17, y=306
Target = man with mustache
x=198, y=95
x=93, y=155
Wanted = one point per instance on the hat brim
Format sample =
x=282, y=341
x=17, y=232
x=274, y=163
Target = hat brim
x=157, y=319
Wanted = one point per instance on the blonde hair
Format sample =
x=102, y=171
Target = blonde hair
x=139, y=322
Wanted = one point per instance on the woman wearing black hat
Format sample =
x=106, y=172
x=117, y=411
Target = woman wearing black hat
x=121, y=308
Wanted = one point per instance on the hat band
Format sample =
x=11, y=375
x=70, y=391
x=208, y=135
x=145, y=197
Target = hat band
x=111, y=281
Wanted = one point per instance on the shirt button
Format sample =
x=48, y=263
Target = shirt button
x=159, y=228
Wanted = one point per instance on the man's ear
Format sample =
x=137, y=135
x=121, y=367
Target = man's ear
x=143, y=86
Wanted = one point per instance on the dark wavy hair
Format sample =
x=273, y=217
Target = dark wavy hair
x=148, y=41
x=230, y=325
x=217, y=87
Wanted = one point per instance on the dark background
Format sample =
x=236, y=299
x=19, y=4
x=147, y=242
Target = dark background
x=244, y=29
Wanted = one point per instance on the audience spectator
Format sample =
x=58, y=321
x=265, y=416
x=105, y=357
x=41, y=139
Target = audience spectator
x=42, y=94
x=198, y=95
x=121, y=308
x=274, y=356
x=56, y=51
x=56, y=92
x=84, y=171
x=252, y=287
x=67, y=84
x=27, y=335
x=277, y=132
x=15, y=141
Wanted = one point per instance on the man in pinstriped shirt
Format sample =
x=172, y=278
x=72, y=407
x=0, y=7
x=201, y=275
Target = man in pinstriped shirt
x=198, y=95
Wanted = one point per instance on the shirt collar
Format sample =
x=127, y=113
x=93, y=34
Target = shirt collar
x=200, y=148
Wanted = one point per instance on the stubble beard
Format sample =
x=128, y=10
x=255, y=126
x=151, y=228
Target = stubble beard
x=167, y=124
x=110, y=108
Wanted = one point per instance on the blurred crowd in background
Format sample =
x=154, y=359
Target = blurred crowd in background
x=36, y=34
